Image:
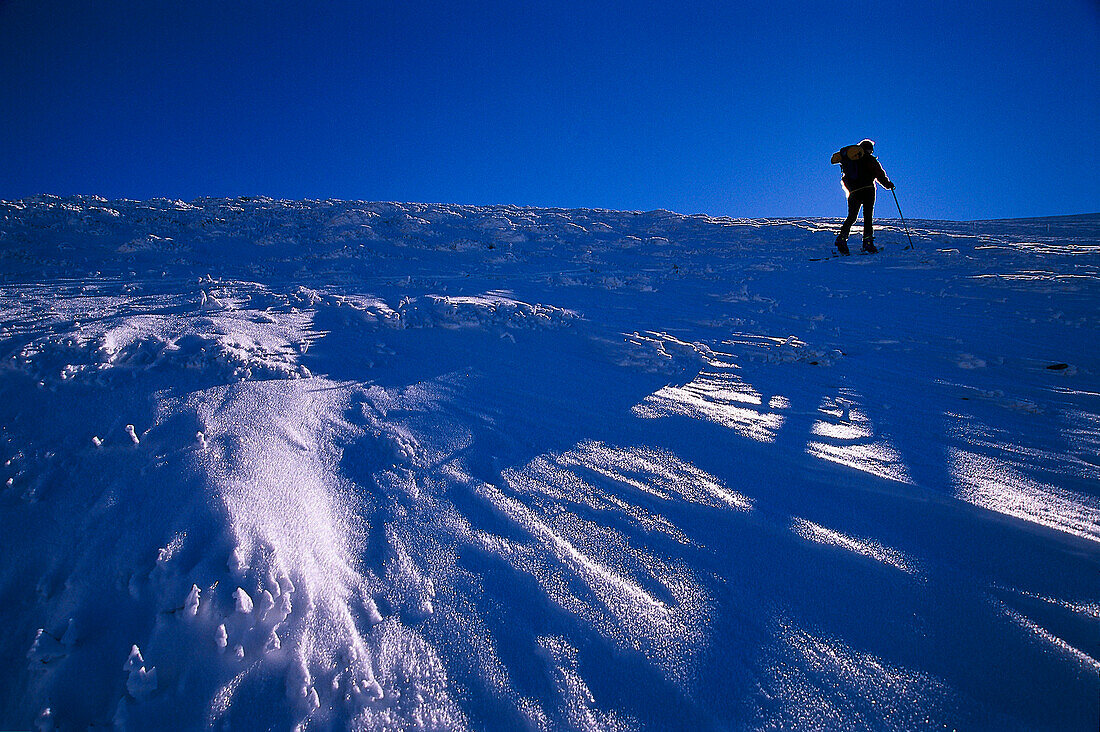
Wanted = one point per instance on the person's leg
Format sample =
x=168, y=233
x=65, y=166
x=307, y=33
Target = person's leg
x=868, y=221
x=846, y=227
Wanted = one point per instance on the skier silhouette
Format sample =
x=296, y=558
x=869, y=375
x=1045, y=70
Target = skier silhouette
x=861, y=169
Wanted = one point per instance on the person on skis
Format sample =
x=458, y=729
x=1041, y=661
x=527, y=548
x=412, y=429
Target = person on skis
x=861, y=169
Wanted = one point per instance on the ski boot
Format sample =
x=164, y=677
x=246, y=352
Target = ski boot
x=842, y=247
x=869, y=246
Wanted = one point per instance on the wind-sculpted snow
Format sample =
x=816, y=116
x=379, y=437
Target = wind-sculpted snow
x=347, y=465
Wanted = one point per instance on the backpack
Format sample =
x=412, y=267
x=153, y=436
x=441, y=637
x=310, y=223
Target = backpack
x=849, y=158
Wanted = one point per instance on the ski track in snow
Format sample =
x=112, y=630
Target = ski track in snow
x=341, y=465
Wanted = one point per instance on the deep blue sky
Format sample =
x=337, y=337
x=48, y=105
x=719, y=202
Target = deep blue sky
x=980, y=109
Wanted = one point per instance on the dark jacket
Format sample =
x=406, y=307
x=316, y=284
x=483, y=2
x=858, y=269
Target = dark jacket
x=862, y=172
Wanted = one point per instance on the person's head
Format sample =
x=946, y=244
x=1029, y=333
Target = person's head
x=867, y=145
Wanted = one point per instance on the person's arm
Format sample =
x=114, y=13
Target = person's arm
x=880, y=175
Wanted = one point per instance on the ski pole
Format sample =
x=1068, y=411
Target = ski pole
x=902, y=219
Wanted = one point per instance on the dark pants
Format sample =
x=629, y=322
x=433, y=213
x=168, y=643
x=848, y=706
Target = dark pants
x=865, y=198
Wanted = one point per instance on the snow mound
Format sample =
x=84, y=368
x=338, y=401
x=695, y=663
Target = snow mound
x=491, y=311
x=231, y=346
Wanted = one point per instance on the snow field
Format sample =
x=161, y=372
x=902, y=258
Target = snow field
x=405, y=466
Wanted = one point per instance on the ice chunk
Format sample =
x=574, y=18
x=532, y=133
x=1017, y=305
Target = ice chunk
x=134, y=660
x=209, y=302
x=244, y=602
x=142, y=683
x=267, y=602
x=221, y=638
x=133, y=434
x=191, y=604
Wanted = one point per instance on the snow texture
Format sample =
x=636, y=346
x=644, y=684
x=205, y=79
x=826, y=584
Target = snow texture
x=337, y=465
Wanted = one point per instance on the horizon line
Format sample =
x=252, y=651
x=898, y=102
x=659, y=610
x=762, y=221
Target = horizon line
x=264, y=197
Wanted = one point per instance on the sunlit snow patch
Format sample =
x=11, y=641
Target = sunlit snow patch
x=991, y=484
x=567, y=548
x=1041, y=634
x=849, y=441
x=1084, y=609
x=866, y=547
x=1083, y=436
x=822, y=683
x=632, y=595
x=301, y=614
x=719, y=395
x=578, y=705
x=657, y=472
